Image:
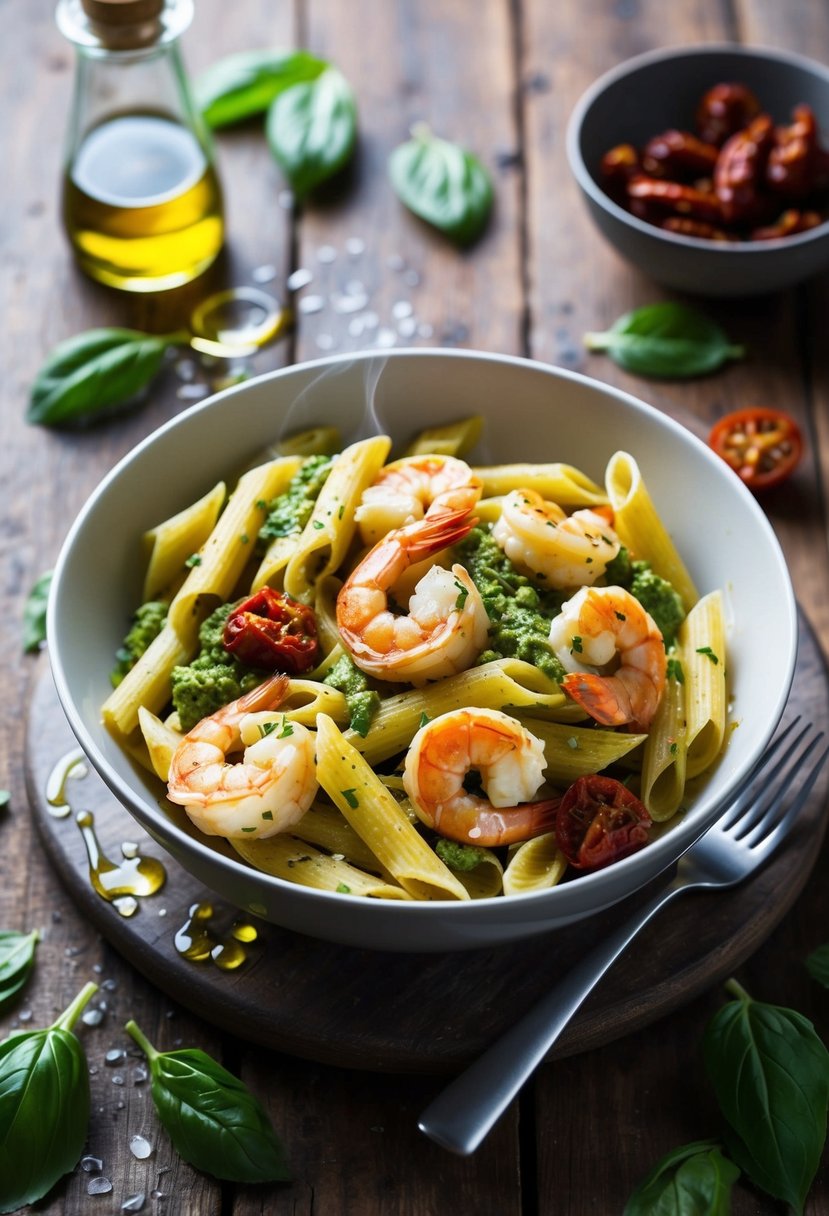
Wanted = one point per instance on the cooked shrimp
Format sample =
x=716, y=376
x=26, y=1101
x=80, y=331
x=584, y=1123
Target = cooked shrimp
x=268, y=790
x=541, y=539
x=605, y=626
x=446, y=626
x=510, y=762
x=407, y=489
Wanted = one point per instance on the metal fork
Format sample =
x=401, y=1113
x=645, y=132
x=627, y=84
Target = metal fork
x=746, y=835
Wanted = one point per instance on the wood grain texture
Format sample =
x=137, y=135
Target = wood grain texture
x=501, y=79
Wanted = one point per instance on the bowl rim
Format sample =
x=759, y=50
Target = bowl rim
x=628, y=67
x=161, y=827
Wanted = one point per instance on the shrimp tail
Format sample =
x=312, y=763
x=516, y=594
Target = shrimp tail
x=265, y=696
x=605, y=699
x=429, y=535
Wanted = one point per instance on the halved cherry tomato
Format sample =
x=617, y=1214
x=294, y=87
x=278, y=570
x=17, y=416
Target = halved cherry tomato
x=272, y=631
x=761, y=445
x=599, y=821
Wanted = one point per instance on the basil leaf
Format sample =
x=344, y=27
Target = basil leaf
x=770, y=1073
x=96, y=369
x=17, y=956
x=817, y=964
x=34, y=613
x=442, y=184
x=213, y=1120
x=244, y=84
x=667, y=340
x=312, y=129
x=44, y=1107
x=694, y=1180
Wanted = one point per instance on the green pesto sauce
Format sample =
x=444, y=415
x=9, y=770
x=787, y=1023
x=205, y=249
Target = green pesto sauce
x=457, y=856
x=655, y=594
x=519, y=610
x=361, y=700
x=146, y=626
x=289, y=512
x=213, y=678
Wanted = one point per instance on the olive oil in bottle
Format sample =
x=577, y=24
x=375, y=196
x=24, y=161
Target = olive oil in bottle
x=142, y=203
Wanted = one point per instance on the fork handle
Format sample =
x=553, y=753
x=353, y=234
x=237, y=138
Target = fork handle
x=460, y=1116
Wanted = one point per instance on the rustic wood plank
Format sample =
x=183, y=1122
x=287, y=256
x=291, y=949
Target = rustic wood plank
x=44, y=299
x=642, y=1096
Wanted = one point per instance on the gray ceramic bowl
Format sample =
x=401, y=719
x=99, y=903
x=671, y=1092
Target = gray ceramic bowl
x=531, y=411
x=659, y=90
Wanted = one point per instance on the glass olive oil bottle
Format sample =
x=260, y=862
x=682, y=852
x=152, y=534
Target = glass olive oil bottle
x=142, y=203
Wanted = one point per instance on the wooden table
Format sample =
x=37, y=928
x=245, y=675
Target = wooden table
x=501, y=79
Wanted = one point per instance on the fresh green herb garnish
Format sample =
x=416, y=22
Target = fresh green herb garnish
x=242, y=85
x=350, y=797
x=34, y=613
x=674, y=671
x=770, y=1073
x=44, y=1106
x=463, y=595
x=577, y=647
x=193, y=560
x=97, y=369
x=343, y=889
x=817, y=965
x=693, y=1179
x=443, y=184
x=311, y=129
x=424, y=719
x=213, y=1120
x=457, y=856
x=667, y=340
x=17, y=956
x=709, y=652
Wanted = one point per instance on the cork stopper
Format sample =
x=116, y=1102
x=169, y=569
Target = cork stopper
x=125, y=24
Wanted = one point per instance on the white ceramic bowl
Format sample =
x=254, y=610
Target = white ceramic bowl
x=532, y=411
x=660, y=89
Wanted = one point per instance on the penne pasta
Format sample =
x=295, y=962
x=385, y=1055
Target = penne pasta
x=172, y=542
x=536, y=865
x=665, y=753
x=454, y=439
x=560, y=483
x=328, y=534
x=376, y=817
x=572, y=751
x=702, y=647
x=297, y=861
x=639, y=527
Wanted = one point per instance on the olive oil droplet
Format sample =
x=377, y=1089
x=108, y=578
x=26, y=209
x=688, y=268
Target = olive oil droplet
x=72, y=765
x=120, y=883
x=198, y=941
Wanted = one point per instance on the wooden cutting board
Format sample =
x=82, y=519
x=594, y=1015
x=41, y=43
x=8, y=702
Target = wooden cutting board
x=383, y=1011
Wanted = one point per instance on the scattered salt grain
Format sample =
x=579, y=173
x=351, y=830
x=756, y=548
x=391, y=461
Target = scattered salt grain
x=99, y=1186
x=411, y=278
x=395, y=261
x=425, y=330
x=401, y=309
x=118, y=1079
x=264, y=274
x=407, y=328
x=326, y=254
x=385, y=337
x=192, y=392
x=25, y=1015
x=311, y=304
x=325, y=341
x=354, y=246
x=115, y=1055
x=298, y=278
x=109, y=985
x=134, y=1203
x=92, y=1017
x=186, y=369
x=140, y=1147
x=349, y=303
x=92, y=1165
x=139, y=1076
